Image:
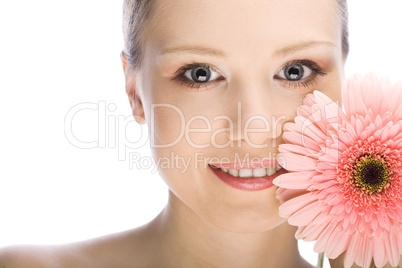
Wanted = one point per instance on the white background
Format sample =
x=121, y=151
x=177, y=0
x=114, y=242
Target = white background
x=57, y=54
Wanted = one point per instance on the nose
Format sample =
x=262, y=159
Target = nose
x=257, y=119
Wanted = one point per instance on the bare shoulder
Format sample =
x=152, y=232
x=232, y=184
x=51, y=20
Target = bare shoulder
x=27, y=256
x=42, y=256
x=124, y=249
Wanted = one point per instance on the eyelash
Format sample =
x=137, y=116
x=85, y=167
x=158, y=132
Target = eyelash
x=316, y=70
x=193, y=85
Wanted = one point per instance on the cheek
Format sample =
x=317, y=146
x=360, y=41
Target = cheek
x=166, y=124
x=181, y=128
x=332, y=84
x=286, y=106
x=332, y=88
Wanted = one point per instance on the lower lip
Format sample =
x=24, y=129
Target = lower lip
x=247, y=184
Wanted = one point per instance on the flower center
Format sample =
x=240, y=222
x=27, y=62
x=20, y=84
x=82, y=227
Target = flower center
x=371, y=174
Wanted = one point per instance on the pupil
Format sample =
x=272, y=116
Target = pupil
x=372, y=175
x=294, y=72
x=201, y=74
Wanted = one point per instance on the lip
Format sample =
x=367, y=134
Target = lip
x=247, y=184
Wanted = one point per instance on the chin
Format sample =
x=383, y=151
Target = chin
x=221, y=206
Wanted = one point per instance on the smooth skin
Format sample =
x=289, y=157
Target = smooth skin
x=207, y=223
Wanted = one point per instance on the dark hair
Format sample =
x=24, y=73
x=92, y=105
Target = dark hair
x=137, y=12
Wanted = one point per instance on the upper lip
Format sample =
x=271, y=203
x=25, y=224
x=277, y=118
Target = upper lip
x=247, y=164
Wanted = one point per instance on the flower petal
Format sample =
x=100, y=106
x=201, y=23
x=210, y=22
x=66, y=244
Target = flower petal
x=352, y=251
x=293, y=162
x=295, y=204
x=337, y=242
x=379, y=251
x=305, y=215
x=294, y=180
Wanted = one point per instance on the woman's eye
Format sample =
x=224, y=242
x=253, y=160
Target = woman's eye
x=198, y=76
x=201, y=74
x=295, y=72
x=299, y=73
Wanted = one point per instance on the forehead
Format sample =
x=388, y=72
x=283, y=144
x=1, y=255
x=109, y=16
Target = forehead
x=243, y=25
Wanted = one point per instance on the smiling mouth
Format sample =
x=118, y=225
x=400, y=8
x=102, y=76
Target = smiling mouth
x=247, y=179
x=249, y=173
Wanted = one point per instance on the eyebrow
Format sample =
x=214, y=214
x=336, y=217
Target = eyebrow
x=217, y=53
x=302, y=46
x=193, y=50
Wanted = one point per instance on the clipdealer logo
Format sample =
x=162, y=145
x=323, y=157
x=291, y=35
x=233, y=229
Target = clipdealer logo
x=112, y=129
x=270, y=126
x=197, y=160
x=123, y=133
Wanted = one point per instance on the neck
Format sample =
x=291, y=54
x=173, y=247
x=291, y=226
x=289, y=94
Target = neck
x=187, y=240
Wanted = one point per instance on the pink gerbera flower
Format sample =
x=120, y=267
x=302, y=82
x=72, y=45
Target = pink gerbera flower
x=344, y=185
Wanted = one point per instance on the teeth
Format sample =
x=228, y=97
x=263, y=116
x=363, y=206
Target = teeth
x=248, y=173
x=234, y=172
x=244, y=173
x=259, y=172
x=271, y=171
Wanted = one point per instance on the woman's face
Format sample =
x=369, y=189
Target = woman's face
x=219, y=80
